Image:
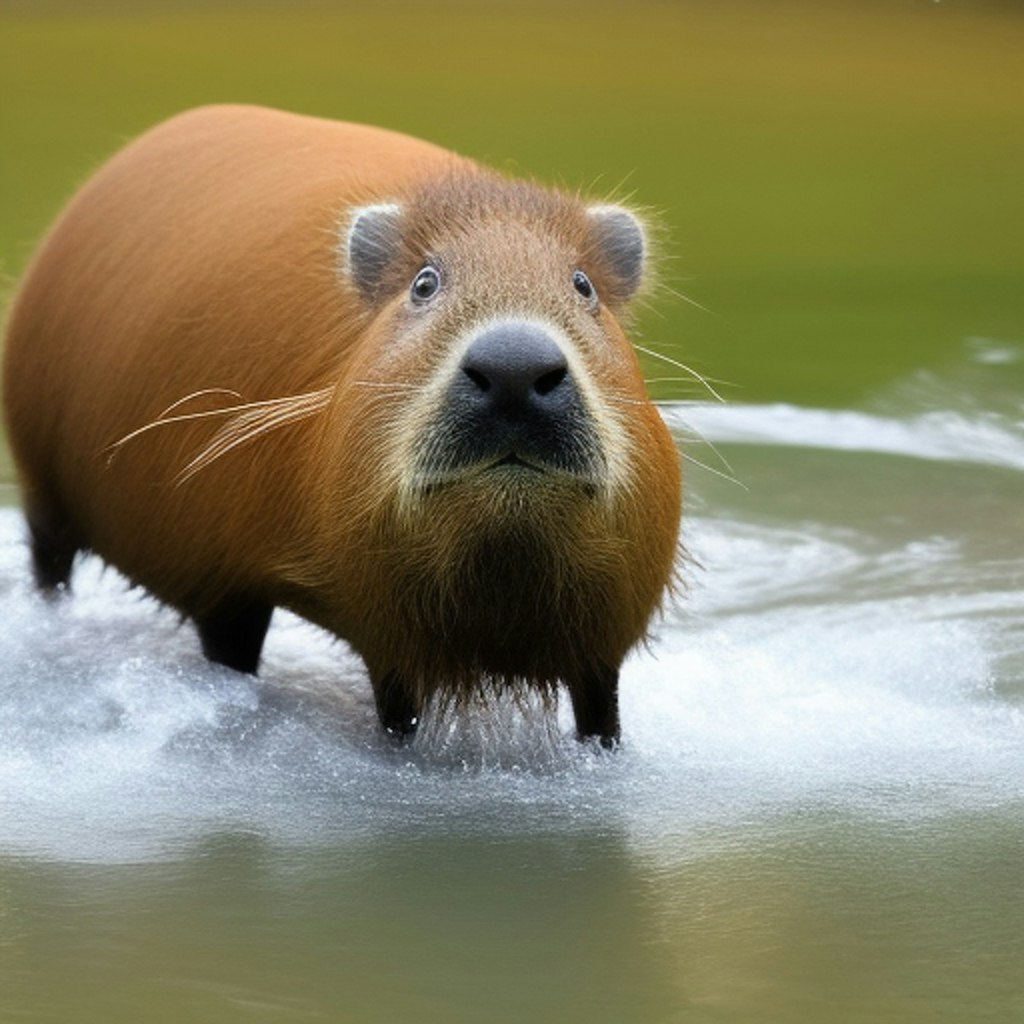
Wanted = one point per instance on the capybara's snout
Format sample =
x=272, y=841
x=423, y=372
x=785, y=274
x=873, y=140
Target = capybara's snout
x=514, y=401
x=518, y=371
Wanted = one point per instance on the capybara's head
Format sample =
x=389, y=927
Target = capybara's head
x=493, y=313
x=521, y=486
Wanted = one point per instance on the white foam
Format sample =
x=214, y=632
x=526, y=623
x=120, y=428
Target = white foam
x=776, y=687
x=987, y=439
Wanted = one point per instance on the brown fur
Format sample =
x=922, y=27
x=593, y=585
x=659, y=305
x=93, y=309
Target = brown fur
x=194, y=293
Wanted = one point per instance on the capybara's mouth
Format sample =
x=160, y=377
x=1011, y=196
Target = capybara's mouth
x=516, y=461
x=513, y=468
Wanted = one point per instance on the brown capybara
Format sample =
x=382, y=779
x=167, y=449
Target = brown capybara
x=271, y=360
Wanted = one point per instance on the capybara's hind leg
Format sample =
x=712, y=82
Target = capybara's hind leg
x=53, y=548
x=595, y=704
x=233, y=633
x=397, y=709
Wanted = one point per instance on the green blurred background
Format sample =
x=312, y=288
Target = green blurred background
x=841, y=185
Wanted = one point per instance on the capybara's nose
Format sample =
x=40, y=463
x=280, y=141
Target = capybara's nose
x=517, y=369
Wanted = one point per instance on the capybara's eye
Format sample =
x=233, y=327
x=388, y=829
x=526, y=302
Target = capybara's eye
x=583, y=284
x=426, y=284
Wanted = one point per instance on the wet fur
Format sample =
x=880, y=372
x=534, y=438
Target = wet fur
x=197, y=390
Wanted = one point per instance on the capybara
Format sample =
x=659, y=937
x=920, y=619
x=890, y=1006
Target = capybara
x=264, y=360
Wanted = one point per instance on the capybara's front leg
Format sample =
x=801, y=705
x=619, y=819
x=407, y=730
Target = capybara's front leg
x=595, y=703
x=397, y=708
x=53, y=546
x=232, y=633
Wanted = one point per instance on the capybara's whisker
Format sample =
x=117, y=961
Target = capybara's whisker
x=395, y=386
x=619, y=399
x=654, y=354
x=670, y=380
x=163, y=420
x=685, y=298
x=197, y=394
x=728, y=473
x=280, y=412
x=252, y=422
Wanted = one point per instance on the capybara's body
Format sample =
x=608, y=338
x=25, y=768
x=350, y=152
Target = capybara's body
x=269, y=360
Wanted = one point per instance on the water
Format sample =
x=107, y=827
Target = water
x=817, y=813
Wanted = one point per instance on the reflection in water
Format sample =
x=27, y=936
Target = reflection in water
x=408, y=929
x=853, y=921
x=818, y=812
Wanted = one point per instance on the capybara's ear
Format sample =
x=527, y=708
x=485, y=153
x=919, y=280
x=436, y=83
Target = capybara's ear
x=374, y=237
x=622, y=241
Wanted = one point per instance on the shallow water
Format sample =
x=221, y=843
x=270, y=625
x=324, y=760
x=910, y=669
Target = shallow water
x=817, y=813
